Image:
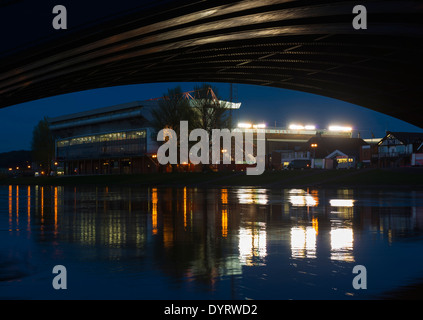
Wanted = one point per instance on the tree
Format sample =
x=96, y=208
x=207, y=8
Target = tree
x=211, y=111
x=42, y=145
x=171, y=110
x=204, y=111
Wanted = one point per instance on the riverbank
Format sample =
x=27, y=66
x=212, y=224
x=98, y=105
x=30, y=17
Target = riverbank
x=378, y=178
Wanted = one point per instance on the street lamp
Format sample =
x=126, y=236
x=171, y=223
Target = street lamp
x=314, y=146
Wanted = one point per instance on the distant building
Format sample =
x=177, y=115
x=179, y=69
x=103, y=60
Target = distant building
x=335, y=152
x=16, y=163
x=116, y=139
x=398, y=149
x=286, y=145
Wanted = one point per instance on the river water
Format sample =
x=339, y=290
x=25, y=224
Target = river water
x=198, y=243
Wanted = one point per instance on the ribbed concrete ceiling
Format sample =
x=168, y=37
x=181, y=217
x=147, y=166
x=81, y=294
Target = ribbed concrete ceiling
x=308, y=46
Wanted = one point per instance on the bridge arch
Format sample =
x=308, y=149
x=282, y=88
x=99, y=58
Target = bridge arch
x=308, y=46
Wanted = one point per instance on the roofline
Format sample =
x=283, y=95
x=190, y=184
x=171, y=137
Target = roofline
x=100, y=111
x=401, y=133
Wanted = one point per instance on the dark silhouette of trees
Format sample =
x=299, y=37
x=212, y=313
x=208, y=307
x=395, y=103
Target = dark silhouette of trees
x=202, y=108
x=42, y=145
x=172, y=109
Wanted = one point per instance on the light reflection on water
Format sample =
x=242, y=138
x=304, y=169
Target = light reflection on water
x=228, y=243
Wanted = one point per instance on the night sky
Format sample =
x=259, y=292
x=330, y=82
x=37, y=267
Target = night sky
x=259, y=104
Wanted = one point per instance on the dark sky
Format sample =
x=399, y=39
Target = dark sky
x=259, y=104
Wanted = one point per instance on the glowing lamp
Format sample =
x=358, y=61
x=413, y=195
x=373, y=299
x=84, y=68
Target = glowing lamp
x=340, y=128
x=296, y=127
x=244, y=125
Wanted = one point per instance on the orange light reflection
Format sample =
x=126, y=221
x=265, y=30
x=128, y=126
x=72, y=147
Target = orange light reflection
x=154, y=210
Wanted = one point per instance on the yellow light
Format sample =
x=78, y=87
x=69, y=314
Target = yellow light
x=224, y=222
x=315, y=224
x=224, y=196
x=55, y=210
x=341, y=202
x=185, y=207
x=29, y=207
x=10, y=207
x=154, y=156
x=314, y=145
x=301, y=198
x=10, y=169
x=154, y=201
x=344, y=160
x=29, y=167
x=17, y=205
x=259, y=126
x=252, y=196
x=42, y=206
x=17, y=168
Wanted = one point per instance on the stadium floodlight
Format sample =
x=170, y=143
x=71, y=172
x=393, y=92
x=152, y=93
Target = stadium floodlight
x=244, y=125
x=340, y=128
x=296, y=127
x=259, y=126
x=310, y=127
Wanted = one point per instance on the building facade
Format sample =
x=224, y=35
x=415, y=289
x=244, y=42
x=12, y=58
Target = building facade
x=283, y=146
x=398, y=149
x=336, y=152
x=117, y=139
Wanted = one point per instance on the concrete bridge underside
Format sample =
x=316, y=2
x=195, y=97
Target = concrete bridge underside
x=308, y=46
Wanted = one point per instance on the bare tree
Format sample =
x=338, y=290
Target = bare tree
x=211, y=111
x=171, y=110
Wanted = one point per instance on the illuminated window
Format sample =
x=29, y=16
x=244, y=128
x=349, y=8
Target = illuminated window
x=116, y=136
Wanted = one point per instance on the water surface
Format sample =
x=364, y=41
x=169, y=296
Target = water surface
x=192, y=243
